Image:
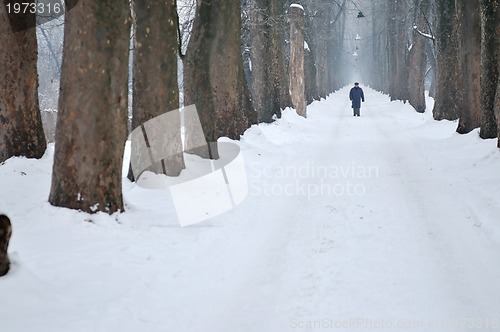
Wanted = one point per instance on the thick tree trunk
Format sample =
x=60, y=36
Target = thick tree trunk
x=322, y=77
x=469, y=20
x=311, y=89
x=21, y=130
x=431, y=56
x=391, y=50
x=92, y=120
x=281, y=80
x=490, y=68
x=297, y=86
x=336, y=45
x=338, y=69
x=322, y=73
x=213, y=74
x=417, y=63
x=263, y=95
x=319, y=33
x=246, y=39
x=380, y=72
x=402, y=27
x=310, y=67
x=416, y=77
x=270, y=88
x=398, y=51
x=5, y=233
x=497, y=110
x=497, y=96
x=449, y=92
x=418, y=59
x=156, y=89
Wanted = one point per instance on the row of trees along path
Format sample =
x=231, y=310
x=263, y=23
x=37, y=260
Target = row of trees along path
x=456, y=40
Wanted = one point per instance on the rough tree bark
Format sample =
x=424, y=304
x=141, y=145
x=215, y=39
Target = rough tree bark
x=469, y=20
x=379, y=72
x=449, y=92
x=417, y=60
x=297, y=86
x=21, y=130
x=310, y=68
x=490, y=68
x=270, y=87
x=398, y=50
x=416, y=77
x=336, y=31
x=430, y=48
x=213, y=74
x=92, y=121
x=281, y=80
x=431, y=57
x=311, y=89
x=318, y=26
x=335, y=42
x=156, y=89
x=5, y=233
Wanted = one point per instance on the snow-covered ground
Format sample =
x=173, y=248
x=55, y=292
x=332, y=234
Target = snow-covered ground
x=389, y=221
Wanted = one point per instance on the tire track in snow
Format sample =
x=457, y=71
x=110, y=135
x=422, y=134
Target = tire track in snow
x=464, y=264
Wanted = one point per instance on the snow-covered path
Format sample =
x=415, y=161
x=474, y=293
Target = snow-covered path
x=389, y=221
x=407, y=249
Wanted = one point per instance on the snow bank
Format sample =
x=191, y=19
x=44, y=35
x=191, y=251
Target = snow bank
x=390, y=218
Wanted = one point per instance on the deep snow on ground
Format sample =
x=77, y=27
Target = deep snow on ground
x=389, y=221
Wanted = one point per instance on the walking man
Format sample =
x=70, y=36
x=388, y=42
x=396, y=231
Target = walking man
x=356, y=96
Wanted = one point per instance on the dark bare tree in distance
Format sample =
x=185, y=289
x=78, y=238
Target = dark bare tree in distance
x=449, y=92
x=92, y=121
x=417, y=58
x=379, y=68
x=270, y=87
x=297, y=84
x=155, y=89
x=490, y=68
x=430, y=50
x=398, y=50
x=310, y=80
x=320, y=32
x=21, y=131
x=213, y=74
x=336, y=44
x=469, y=27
